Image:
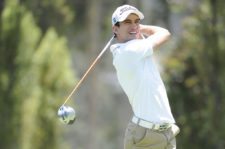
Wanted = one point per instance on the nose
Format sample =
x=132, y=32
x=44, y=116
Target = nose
x=134, y=25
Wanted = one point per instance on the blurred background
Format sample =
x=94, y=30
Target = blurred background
x=47, y=45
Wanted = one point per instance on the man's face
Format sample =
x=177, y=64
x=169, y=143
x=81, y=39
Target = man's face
x=128, y=29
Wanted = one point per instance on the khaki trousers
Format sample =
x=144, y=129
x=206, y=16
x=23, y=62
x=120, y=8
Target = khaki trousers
x=138, y=137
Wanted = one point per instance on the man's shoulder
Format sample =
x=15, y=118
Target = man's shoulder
x=113, y=47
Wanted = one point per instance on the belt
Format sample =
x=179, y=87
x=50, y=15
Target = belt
x=149, y=125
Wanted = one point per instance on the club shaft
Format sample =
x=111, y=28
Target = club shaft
x=88, y=70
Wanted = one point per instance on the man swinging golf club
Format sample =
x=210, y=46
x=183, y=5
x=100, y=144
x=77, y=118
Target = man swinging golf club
x=152, y=125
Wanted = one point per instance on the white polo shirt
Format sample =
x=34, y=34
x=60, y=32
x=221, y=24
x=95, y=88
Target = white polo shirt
x=141, y=81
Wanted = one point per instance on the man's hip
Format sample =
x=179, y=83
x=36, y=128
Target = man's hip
x=145, y=135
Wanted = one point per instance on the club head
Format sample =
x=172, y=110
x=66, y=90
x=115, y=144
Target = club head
x=67, y=115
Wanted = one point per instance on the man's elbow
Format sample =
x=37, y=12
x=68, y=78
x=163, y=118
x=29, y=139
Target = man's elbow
x=161, y=38
x=167, y=34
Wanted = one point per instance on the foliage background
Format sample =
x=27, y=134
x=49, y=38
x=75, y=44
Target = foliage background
x=46, y=45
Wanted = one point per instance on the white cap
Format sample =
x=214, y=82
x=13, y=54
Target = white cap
x=122, y=12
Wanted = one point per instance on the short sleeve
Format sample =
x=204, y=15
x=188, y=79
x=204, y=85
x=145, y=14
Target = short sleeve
x=147, y=47
x=113, y=49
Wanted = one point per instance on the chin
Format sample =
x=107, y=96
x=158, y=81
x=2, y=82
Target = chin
x=130, y=38
x=133, y=37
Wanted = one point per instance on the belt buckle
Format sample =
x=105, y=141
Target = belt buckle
x=163, y=127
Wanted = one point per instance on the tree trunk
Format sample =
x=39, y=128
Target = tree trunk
x=93, y=40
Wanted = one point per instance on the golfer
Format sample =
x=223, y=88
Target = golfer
x=152, y=125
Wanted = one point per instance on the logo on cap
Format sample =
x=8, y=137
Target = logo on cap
x=126, y=9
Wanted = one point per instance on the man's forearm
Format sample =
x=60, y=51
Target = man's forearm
x=149, y=30
x=159, y=35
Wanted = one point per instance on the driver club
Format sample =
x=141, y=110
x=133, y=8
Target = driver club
x=67, y=114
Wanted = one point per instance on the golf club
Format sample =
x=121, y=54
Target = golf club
x=67, y=114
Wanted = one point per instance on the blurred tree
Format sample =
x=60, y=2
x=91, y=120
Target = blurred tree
x=93, y=27
x=51, y=13
x=34, y=73
x=54, y=75
x=153, y=14
x=10, y=111
x=198, y=82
